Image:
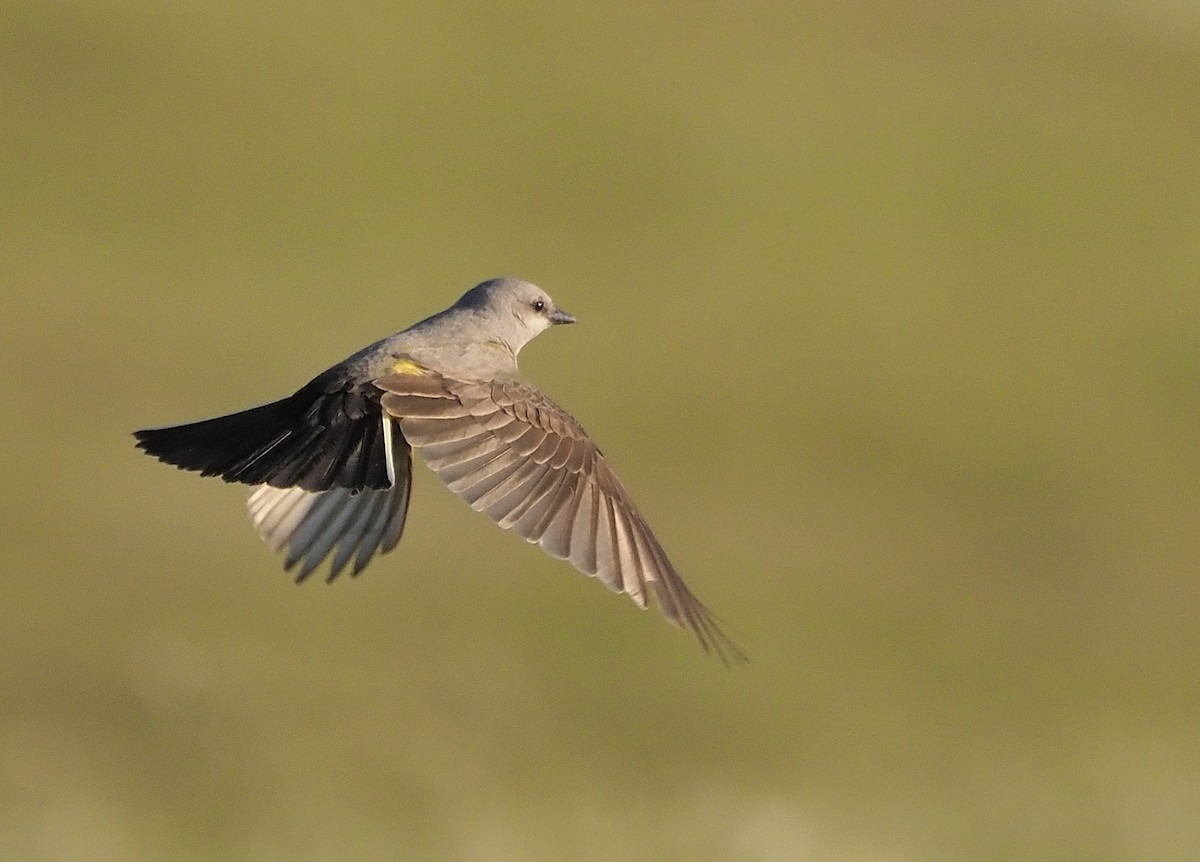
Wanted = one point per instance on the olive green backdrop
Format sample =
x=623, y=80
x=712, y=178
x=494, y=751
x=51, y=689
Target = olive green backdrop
x=889, y=318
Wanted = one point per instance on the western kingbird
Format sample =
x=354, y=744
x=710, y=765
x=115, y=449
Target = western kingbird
x=333, y=462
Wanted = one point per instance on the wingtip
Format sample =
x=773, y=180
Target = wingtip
x=730, y=654
x=690, y=614
x=715, y=640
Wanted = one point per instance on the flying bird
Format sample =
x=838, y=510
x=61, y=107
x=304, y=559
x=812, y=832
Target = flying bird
x=333, y=462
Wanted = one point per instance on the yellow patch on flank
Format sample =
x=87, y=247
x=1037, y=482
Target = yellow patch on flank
x=407, y=366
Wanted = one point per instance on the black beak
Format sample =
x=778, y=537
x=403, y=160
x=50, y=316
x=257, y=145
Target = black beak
x=560, y=316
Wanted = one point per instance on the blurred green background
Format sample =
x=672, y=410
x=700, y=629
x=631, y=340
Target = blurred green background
x=890, y=320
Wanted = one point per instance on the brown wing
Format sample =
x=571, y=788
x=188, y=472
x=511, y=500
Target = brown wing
x=514, y=454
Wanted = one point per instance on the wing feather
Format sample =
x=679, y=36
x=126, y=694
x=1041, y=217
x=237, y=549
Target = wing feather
x=512, y=453
x=347, y=523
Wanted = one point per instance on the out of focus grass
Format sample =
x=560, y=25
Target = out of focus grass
x=890, y=321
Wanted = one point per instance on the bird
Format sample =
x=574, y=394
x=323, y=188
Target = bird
x=332, y=463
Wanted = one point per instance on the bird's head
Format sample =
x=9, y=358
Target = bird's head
x=513, y=311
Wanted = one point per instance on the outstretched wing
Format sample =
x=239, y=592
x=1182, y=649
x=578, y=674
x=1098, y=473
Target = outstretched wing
x=345, y=522
x=333, y=472
x=512, y=453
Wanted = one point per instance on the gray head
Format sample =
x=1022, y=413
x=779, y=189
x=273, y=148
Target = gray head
x=515, y=310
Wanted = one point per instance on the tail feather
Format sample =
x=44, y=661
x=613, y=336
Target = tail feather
x=315, y=440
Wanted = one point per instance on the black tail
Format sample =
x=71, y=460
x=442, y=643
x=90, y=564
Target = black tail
x=316, y=440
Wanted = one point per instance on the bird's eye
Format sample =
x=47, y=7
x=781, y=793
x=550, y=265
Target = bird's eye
x=539, y=305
